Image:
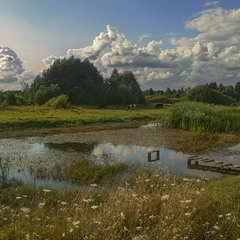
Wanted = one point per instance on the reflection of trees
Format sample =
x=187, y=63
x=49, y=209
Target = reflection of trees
x=72, y=146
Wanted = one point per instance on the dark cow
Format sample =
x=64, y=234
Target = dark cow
x=233, y=105
x=131, y=107
x=102, y=106
x=159, y=105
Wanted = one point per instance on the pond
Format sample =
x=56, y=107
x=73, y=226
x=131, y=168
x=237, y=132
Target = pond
x=34, y=153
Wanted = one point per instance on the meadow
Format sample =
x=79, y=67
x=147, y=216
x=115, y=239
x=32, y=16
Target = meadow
x=37, y=117
x=144, y=205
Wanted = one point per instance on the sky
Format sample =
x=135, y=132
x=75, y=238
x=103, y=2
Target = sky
x=169, y=43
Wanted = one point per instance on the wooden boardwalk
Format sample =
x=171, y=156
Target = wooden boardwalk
x=212, y=162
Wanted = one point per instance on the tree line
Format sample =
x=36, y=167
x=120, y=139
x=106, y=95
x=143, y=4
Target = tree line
x=209, y=93
x=81, y=82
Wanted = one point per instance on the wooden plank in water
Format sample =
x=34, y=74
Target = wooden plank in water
x=227, y=164
x=236, y=166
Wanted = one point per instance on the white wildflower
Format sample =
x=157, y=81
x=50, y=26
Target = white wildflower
x=46, y=190
x=147, y=180
x=63, y=203
x=165, y=197
x=18, y=198
x=25, y=210
x=188, y=214
x=152, y=217
x=122, y=215
x=75, y=223
x=188, y=201
x=220, y=216
x=93, y=185
x=216, y=227
x=94, y=206
x=71, y=230
x=41, y=205
x=139, y=228
x=228, y=214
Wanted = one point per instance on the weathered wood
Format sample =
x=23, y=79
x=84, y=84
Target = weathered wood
x=211, y=161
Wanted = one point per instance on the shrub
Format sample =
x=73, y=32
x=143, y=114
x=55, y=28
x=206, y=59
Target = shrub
x=58, y=102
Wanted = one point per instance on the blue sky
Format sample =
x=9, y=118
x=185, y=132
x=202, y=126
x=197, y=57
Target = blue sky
x=165, y=43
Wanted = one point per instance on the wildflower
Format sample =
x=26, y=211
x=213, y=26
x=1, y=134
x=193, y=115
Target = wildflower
x=25, y=196
x=188, y=201
x=228, y=214
x=139, y=228
x=147, y=180
x=188, y=214
x=198, y=193
x=25, y=210
x=41, y=205
x=18, y=198
x=216, y=227
x=71, y=230
x=63, y=203
x=94, y=206
x=87, y=200
x=122, y=215
x=152, y=217
x=63, y=235
x=186, y=179
x=165, y=197
x=46, y=190
x=134, y=195
x=75, y=223
x=93, y=185
x=220, y=216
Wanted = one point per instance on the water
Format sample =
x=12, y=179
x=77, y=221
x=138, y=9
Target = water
x=32, y=154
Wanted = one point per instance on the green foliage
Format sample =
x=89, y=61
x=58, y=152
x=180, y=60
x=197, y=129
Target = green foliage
x=43, y=94
x=208, y=95
x=10, y=99
x=200, y=117
x=58, y=102
x=124, y=89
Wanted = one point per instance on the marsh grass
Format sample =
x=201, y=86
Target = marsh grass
x=200, y=117
x=148, y=206
x=84, y=171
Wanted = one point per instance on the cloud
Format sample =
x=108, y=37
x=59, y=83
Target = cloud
x=208, y=4
x=12, y=73
x=146, y=35
x=212, y=55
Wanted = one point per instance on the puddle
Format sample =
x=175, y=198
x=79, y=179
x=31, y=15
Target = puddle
x=127, y=146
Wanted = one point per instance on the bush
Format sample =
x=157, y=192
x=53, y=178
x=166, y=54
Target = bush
x=58, y=102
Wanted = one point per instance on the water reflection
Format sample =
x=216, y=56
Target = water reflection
x=173, y=162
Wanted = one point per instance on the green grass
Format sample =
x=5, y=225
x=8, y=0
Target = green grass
x=42, y=117
x=148, y=206
x=200, y=117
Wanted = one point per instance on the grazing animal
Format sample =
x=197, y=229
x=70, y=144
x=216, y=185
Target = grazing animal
x=102, y=106
x=131, y=107
x=159, y=105
x=233, y=105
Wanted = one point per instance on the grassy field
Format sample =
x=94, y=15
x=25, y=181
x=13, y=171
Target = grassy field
x=33, y=117
x=147, y=206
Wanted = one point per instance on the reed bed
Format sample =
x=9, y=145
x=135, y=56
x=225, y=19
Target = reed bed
x=200, y=117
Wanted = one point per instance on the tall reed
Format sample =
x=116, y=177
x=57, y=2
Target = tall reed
x=200, y=117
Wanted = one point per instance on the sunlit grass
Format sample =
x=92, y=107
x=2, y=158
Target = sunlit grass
x=200, y=117
x=43, y=117
x=148, y=206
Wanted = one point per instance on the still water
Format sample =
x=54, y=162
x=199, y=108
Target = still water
x=171, y=161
